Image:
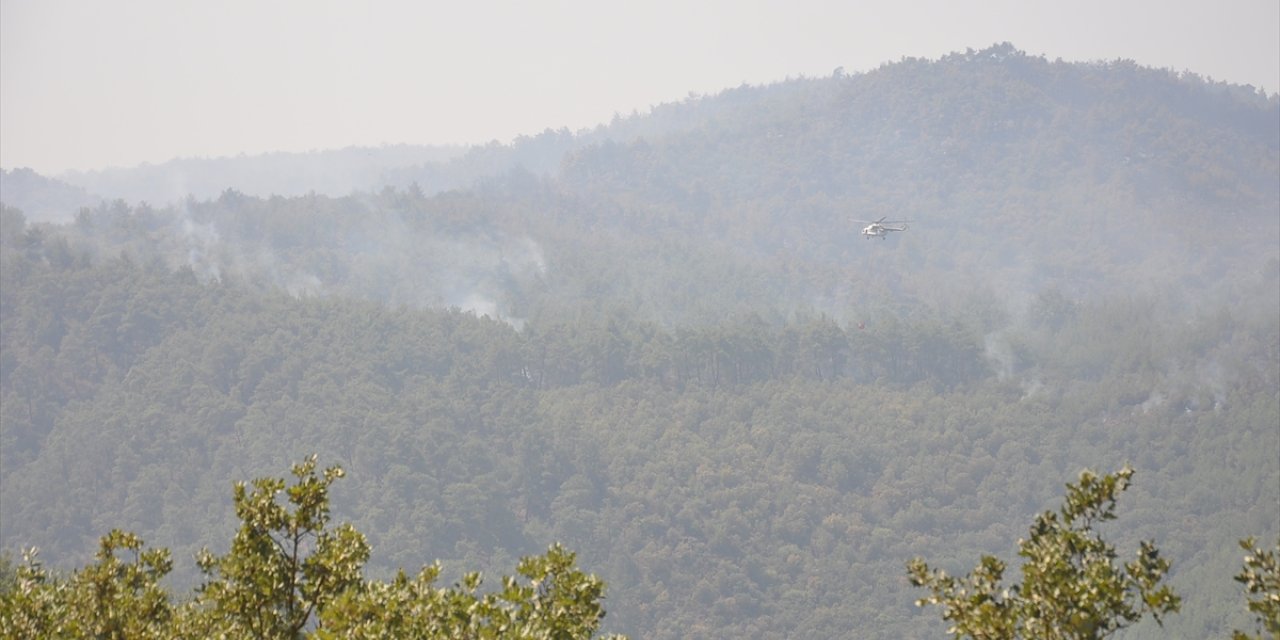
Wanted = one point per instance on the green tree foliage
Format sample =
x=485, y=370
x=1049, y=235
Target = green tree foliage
x=289, y=575
x=554, y=602
x=284, y=567
x=1261, y=579
x=112, y=598
x=1071, y=586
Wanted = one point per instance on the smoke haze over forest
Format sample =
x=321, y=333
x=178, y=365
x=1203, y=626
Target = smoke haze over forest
x=663, y=341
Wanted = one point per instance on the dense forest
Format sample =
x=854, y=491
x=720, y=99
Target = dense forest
x=663, y=344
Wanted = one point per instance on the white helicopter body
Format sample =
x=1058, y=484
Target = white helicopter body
x=881, y=228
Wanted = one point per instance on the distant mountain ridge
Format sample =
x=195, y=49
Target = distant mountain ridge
x=334, y=172
x=1019, y=173
x=43, y=199
x=913, y=116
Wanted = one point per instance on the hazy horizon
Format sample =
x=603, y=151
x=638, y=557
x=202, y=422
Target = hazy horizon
x=87, y=87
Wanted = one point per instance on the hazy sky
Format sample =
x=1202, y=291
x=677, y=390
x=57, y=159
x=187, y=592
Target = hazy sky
x=89, y=84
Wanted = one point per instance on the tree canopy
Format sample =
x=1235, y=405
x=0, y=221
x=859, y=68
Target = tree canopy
x=1071, y=585
x=289, y=575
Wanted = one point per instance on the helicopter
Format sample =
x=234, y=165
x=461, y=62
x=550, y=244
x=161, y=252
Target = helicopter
x=881, y=228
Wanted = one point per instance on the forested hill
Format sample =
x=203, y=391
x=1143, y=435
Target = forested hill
x=664, y=344
x=1018, y=175
x=1016, y=172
